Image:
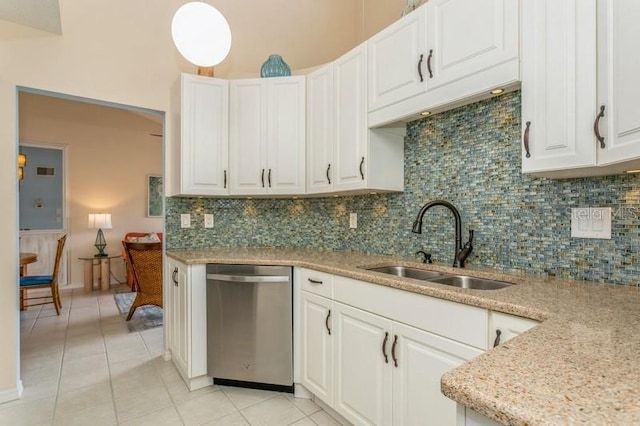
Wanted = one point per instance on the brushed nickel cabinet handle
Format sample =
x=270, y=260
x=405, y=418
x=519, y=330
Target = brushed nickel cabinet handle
x=526, y=139
x=596, y=127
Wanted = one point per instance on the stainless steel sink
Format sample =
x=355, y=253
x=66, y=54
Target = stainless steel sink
x=473, y=283
x=406, y=271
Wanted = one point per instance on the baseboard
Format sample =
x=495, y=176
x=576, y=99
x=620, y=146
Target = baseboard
x=12, y=394
x=330, y=411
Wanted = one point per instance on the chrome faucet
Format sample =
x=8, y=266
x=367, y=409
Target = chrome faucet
x=461, y=252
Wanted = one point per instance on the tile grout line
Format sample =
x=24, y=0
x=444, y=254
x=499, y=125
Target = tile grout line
x=64, y=349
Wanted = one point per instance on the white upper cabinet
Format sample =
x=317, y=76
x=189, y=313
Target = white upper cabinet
x=444, y=54
x=396, y=58
x=267, y=136
x=465, y=37
x=558, y=84
x=363, y=159
x=320, y=107
x=204, y=136
x=618, y=87
x=580, y=115
x=350, y=119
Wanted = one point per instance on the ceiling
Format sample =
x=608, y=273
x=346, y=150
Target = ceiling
x=40, y=14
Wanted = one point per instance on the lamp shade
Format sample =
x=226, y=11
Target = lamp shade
x=100, y=221
x=201, y=34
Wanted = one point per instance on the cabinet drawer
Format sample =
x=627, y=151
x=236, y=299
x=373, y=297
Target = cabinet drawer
x=315, y=282
x=463, y=323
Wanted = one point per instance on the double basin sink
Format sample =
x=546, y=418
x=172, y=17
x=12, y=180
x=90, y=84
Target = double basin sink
x=461, y=281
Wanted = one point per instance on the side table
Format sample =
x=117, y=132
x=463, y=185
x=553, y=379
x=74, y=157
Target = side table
x=103, y=265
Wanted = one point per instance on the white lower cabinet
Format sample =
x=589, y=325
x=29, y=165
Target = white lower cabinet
x=186, y=321
x=316, y=346
x=373, y=369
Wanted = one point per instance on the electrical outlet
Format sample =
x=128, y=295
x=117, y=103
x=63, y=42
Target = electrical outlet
x=591, y=222
x=208, y=220
x=353, y=220
x=185, y=220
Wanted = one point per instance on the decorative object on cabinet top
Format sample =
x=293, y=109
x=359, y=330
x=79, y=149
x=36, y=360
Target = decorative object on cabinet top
x=275, y=66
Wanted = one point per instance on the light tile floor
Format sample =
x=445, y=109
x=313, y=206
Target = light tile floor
x=84, y=368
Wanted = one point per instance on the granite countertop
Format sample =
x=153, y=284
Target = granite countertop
x=580, y=365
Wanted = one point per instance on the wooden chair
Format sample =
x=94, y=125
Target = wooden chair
x=33, y=282
x=146, y=262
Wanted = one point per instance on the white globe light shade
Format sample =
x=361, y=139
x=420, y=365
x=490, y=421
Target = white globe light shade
x=201, y=34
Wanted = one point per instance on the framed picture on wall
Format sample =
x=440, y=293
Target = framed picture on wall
x=154, y=196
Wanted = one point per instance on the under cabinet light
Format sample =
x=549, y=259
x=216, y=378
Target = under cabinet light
x=497, y=91
x=632, y=171
x=425, y=113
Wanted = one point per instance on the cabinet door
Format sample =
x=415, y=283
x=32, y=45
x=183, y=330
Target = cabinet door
x=178, y=321
x=420, y=359
x=248, y=136
x=316, y=346
x=362, y=374
x=350, y=119
x=468, y=36
x=618, y=88
x=320, y=130
x=396, y=61
x=558, y=84
x=205, y=135
x=286, y=135
x=504, y=327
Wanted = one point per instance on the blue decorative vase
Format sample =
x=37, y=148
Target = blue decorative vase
x=275, y=66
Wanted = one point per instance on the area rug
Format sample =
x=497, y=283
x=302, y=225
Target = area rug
x=144, y=318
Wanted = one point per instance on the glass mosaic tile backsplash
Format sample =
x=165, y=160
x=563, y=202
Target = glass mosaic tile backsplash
x=470, y=157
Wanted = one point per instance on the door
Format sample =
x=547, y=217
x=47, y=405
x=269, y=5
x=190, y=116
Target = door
x=205, y=135
x=618, y=88
x=247, y=136
x=396, y=60
x=468, y=36
x=362, y=374
x=422, y=359
x=350, y=120
x=317, y=346
x=320, y=106
x=286, y=135
x=558, y=84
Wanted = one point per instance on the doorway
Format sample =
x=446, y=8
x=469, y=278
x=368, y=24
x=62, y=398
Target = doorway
x=109, y=151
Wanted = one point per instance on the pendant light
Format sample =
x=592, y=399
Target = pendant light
x=201, y=34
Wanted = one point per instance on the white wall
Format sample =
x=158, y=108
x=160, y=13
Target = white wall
x=121, y=51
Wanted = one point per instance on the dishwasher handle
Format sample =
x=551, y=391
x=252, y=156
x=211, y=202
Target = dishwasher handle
x=249, y=278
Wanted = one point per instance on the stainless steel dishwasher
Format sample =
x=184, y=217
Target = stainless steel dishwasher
x=250, y=326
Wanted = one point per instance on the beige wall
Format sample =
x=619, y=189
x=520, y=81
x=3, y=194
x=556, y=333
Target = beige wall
x=121, y=51
x=110, y=153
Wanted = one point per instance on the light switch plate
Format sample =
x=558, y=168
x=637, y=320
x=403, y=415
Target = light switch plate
x=208, y=220
x=591, y=222
x=185, y=220
x=353, y=220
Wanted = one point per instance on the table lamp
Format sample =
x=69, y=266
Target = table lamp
x=100, y=221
